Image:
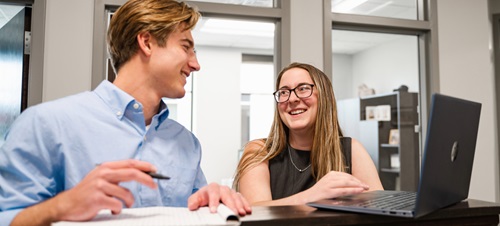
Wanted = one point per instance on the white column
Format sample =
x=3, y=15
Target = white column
x=306, y=39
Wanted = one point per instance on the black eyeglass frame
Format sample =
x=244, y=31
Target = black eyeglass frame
x=276, y=97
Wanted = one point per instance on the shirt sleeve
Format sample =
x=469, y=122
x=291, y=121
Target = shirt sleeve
x=200, y=180
x=26, y=166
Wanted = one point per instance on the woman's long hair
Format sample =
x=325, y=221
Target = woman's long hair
x=326, y=152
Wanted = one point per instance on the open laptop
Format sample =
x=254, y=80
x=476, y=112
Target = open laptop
x=446, y=166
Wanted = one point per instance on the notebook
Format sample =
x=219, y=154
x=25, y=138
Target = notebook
x=160, y=216
x=446, y=166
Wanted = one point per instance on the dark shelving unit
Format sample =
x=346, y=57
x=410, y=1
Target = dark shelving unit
x=404, y=118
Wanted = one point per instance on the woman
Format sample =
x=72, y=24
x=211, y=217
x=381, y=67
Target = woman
x=302, y=160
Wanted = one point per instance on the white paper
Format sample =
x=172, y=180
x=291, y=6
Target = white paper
x=160, y=216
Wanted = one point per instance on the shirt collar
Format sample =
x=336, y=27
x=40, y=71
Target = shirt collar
x=118, y=101
x=114, y=97
x=164, y=112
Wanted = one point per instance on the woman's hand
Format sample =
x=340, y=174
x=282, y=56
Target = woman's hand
x=333, y=184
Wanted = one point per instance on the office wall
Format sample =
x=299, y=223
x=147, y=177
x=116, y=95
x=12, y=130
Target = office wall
x=217, y=112
x=388, y=66
x=342, y=76
x=68, y=48
x=383, y=68
x=466, y=71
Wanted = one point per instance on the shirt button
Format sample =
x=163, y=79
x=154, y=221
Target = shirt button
x=136, y=106
x=118, y=113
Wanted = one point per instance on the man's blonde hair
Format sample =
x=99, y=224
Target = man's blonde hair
x=158, y=17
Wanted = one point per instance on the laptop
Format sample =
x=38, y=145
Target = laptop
x=446, y=166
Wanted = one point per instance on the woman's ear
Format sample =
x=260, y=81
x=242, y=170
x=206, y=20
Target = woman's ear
x=145, y=41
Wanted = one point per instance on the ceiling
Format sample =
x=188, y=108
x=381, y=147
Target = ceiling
x=247, y=35
x=259, y=36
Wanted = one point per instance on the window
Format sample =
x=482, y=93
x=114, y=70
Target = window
x=373, y=71
x=373, y=59
x=381, y=61
x=257, y=3
x=257, y=104
x=232, y=93
x=402, y=9
x=14, y=63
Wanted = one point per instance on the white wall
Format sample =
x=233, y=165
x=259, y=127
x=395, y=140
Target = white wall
x=257, y=79
x=383, y=68
x=466, y=71
x=68, y=48
x=217, y=111
x=342, y=76
x=388, y=66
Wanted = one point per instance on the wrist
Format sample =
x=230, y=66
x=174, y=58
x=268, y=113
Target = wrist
x=55, y=208
x=302, y=198
x=38, y=214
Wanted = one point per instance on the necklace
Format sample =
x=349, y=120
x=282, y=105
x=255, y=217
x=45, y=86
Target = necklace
x=291, y=160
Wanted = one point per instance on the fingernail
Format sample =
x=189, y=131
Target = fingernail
x=154, y=169
x=213, y=209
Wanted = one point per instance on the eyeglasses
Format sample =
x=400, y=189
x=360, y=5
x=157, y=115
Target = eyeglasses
x=301, y=91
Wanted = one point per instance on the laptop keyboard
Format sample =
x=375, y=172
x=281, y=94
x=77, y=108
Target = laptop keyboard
x=397, y=201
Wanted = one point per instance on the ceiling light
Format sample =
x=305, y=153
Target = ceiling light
x=238, y=27
x=347, y=5
x=379, y=7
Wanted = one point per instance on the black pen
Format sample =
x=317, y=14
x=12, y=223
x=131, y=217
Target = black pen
x=153, y=175
x=157, y=176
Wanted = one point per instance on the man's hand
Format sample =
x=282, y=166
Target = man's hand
x=98, y=190
x=213, y=194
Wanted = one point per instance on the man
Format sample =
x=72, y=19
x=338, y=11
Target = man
x=70, y=158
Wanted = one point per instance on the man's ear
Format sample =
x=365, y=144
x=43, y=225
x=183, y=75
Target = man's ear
x=144, y=41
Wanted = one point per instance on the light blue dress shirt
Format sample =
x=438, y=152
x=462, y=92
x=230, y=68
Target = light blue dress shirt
x=52, y=146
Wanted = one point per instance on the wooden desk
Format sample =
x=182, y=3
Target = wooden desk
x=468, y=212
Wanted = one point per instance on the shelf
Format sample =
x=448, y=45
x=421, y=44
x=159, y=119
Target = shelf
x=398, y=164
x=390, y=170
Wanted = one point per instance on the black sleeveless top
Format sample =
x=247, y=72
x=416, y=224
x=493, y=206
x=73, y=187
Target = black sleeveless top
x=286, y=179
